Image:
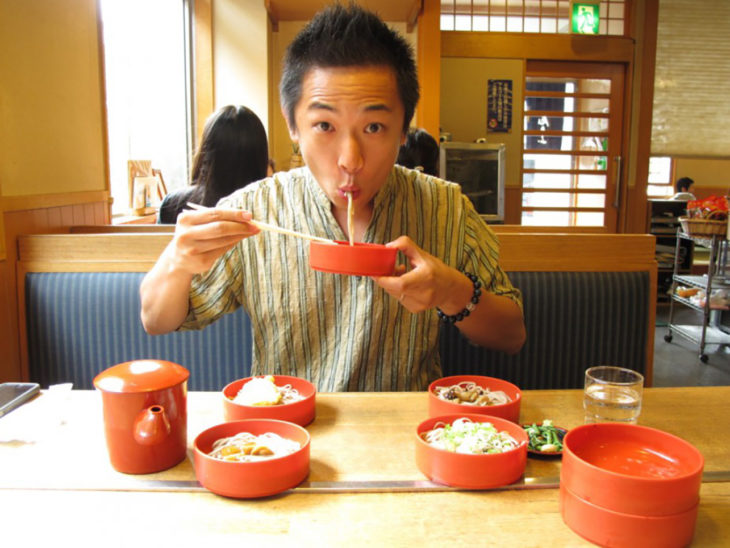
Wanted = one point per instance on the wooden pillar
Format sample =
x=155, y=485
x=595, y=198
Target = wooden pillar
x=202, y=65
x=429, y=67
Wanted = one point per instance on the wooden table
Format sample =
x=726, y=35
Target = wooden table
x=363, y=489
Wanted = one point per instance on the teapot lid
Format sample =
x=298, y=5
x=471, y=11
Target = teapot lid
x=141, y=376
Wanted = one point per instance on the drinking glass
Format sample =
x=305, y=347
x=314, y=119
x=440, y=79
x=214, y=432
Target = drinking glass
x=612, y=394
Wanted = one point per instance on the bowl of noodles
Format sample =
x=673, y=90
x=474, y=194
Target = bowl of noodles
x=475, y=394
x=358, y=259
x=251, y=458
x=279, y=397
x=471, y=451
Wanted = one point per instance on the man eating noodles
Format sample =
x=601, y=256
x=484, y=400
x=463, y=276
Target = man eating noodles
x=348, y=92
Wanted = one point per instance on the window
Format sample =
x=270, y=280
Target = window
x=660, y=177
x=528, y=16
x=147, y=91
x=572, y=113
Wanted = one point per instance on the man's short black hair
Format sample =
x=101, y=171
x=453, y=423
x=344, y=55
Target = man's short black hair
x=346, y=36
x=683, y=184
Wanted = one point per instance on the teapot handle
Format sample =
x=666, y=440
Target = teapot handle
x=151, y=426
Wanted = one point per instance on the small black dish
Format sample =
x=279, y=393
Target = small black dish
x=545, y=454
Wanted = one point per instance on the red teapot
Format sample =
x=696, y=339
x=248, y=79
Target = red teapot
x=145, y=414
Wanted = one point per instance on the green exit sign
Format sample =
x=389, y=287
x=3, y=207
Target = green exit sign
x=584, y=17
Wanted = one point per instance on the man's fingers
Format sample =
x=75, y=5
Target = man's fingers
x=212, y=215
x=206, y=245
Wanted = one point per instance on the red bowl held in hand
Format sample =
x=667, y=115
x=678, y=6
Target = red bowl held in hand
x=472, y=471
x=251, y=479
x=509, y=411
x=299, y=412
x=360, y=259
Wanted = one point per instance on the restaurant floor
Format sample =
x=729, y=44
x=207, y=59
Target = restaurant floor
x=678, y=363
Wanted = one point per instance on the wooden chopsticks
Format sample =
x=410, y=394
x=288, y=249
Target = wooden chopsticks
x=273, y=228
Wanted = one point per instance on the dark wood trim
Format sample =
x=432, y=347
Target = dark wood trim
x=505, y=45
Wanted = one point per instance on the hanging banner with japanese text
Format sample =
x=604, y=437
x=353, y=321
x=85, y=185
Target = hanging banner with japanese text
x=499, y=106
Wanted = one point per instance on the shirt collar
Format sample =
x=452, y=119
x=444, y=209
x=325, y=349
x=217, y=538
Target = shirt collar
x=323, y=201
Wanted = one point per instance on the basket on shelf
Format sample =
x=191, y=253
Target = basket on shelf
x=703, y=227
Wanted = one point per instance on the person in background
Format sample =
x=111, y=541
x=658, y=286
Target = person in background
x=348, y=93
x=420, y=152
x=681, y=188
x=271, y=169
x=233, y=152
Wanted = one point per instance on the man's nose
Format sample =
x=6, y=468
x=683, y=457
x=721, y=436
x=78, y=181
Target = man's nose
x=350, y=158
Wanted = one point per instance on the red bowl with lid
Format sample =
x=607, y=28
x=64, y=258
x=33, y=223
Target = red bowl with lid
x=509, y=411
x=251, y=479
x=631, y=469
x=360, y=259
x=299, y=412
x=472, y=471
x=145, y=414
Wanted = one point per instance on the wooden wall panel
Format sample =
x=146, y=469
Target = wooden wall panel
x=43, y=220
x=512, y=206
x=8, y=342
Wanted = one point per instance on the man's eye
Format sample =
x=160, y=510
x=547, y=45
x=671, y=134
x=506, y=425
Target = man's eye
x=323, y=126
x=374, y=128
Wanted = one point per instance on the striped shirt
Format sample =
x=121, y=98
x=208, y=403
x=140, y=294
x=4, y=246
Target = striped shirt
x=343, y=332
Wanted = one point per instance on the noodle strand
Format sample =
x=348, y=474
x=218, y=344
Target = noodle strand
x=350, y=218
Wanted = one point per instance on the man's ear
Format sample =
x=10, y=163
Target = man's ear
x=293, y=133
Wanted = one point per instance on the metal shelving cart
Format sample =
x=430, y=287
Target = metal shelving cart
x=717, y=277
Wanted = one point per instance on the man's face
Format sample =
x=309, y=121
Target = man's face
x=349, y=126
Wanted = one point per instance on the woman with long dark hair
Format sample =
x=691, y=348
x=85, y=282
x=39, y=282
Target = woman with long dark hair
x=233, y=152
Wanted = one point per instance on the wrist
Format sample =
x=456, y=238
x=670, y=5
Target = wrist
x=471, y=303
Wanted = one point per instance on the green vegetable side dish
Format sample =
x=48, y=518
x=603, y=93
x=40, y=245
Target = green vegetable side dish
x=544, y=438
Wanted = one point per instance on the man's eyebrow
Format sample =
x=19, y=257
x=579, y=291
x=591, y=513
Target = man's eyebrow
x=318, y=105
x=378, y=106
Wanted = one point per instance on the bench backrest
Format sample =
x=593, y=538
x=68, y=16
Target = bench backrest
x=80, y=323
x=589, y=299
x=574, y=320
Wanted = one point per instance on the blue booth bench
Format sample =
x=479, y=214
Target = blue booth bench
x=588, y=300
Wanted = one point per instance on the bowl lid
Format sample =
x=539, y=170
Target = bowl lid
x=141, y=376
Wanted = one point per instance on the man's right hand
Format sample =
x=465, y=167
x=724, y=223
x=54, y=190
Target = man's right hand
x=201, y=237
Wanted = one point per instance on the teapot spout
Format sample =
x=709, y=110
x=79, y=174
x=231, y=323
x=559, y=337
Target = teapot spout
x=151, y=426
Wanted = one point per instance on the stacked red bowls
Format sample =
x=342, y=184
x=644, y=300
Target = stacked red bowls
x=623, y=485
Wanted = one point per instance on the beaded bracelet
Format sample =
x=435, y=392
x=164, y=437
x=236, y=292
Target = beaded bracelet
x=470, y=305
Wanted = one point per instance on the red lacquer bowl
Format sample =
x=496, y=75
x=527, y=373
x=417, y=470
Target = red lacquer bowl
x=361, y=259
x=472, y=471
x=620, y=530
x=300, y=412
x=631, y=469
x=251, y=479
x=509, y=411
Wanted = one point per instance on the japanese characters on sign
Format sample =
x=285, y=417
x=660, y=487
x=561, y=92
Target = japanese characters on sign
x=499, y=106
